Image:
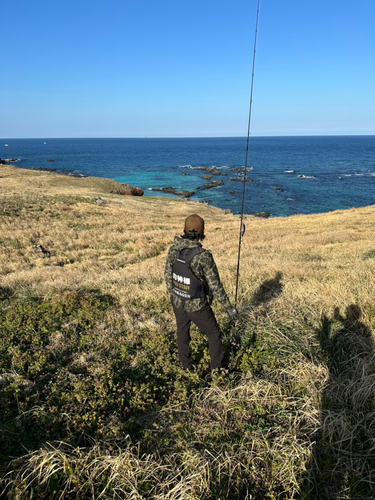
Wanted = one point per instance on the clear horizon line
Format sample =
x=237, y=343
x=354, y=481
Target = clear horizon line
x=190, y=137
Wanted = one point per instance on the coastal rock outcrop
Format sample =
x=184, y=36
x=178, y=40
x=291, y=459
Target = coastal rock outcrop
x=127, y=190
x=71, y=173
x=240, y=179
x=210, y=170
x=8, y=160
x=171, y=190
x=209, y=185
x=263, y=214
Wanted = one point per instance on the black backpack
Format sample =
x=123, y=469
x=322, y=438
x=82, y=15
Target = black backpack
x=185, y=284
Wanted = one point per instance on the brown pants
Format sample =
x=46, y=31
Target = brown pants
x=205, y=320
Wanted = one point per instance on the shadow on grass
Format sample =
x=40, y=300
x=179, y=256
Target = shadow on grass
x=268, y=290
x=245, y=332
x=343, y=460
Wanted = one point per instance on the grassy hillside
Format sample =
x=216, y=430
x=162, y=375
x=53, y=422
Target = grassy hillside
x=93, y=403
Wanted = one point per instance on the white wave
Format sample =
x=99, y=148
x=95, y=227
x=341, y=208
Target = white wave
x=306, y=176
x=289, y=171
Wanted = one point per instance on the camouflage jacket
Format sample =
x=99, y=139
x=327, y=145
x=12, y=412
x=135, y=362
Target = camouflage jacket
x=204, y=268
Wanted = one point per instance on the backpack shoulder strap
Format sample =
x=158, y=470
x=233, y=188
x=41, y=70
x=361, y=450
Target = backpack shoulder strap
x=187, y=254
x=195, y=251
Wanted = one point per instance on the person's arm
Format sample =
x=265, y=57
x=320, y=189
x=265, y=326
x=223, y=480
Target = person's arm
x=211, y=275
x=168, y=270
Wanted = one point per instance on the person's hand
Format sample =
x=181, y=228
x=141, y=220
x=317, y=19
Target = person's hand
x=232, y=313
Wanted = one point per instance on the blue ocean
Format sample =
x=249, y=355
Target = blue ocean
x=289, y=175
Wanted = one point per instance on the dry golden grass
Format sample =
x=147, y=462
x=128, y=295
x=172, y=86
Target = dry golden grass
x=319, y=256
x=306, y=283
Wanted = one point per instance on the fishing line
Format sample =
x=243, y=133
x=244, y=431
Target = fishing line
x=242, y=225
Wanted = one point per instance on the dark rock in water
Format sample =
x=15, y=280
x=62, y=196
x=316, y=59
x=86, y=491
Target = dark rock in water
x=279, y=189
x=209, y=185
x=43, y=169
x=8, y=160
x=185, y=173
x=232, y=192
x=2, y=162
x=210, y=170
x=208, y=177
x=240, y=179
x=50, y=160
x=171, y=190
x=71, y=173
x=263, y=214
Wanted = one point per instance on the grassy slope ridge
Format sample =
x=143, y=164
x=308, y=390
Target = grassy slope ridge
x=92, y=400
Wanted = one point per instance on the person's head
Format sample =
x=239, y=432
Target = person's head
x=194, y=228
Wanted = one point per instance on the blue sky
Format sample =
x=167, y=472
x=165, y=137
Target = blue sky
x=134, y=68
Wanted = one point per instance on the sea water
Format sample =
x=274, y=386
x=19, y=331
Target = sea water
x=289, y=175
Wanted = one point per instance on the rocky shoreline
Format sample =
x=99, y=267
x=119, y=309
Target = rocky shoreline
x=78, y=180
x=207, y=185
x=125, y=189
x=171, y=190
x=8, y=160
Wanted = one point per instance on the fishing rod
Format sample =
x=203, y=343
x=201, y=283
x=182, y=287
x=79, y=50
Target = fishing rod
x=242, y=225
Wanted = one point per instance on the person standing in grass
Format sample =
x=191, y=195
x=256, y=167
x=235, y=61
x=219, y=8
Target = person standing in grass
x=192, y=279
